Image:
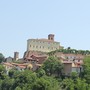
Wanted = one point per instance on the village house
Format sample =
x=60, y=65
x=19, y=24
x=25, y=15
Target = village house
x=36, y=55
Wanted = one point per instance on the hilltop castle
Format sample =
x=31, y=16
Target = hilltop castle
x=43, y=45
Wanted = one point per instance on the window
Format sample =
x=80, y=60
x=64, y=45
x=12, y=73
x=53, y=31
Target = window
x=36, y=46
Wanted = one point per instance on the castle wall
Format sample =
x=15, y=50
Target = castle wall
x=42, y=45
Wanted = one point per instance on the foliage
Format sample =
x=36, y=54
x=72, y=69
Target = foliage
x=1, y=57
x=81, y=84
x=48, y=77
x=74, y=75
x=70, y=51
x=46, y=83
x=86, y=69
x=53, y=66
x=41, y=72
x=7, y=84
x=2, y=68
x=67, y=84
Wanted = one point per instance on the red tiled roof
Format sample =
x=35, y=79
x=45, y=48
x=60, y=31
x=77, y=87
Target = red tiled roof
x=68, y=62
x=23, y=67
x=8, y=64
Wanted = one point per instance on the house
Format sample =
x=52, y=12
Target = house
x=67, y=68
x=9, y=59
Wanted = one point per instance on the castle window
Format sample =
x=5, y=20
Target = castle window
x=40, y=46
x=36, y=46
x=30, y=45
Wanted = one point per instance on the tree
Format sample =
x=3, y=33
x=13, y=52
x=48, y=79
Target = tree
x=80, y=84
x=67, y=84
x=86, y=69
x=24, y=80
x=7, y=84
x=52, y=66
x=2, y=72
x=58, y=68
x=46, y=83
x=1, y=57
x=74, y=75
x=18, y=88
x=40, y=72
x=2, y=68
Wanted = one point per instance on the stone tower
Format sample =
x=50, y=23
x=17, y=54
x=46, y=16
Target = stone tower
x=51, y=37
x=16, y=56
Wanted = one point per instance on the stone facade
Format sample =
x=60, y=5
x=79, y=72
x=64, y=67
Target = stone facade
x=43, y=45
x=16, y=56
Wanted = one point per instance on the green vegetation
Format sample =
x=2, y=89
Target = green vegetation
x=71, y=51
x=1, y=58
x=53, y=66
x=48, y=77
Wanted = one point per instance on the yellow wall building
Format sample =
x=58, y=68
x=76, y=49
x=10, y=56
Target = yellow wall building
x=43, y=45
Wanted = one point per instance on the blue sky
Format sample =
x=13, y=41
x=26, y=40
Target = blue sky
x=20, y=20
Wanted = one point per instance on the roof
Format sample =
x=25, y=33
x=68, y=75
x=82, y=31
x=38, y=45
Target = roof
x=23, y=67
x=8, y=64
x=67, y=62
x=19, y=64
x=45, y=40
x=38, y=56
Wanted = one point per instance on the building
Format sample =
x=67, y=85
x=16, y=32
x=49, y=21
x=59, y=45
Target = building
x=72, y=62
x=16, y=56
x=43, y=45
x=9, y=59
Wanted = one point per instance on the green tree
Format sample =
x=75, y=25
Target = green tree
x=41, y=72
x=1, y=58
x=2, y=69
x=52, y=66
x=46, y=83
x=7, y=84
x=18, y=88
x=80, y=84
x=74, y=75
x=86, y=69
x=67, y=84
x=24, y=79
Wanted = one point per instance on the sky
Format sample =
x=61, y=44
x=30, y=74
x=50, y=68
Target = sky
x=20, y=20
